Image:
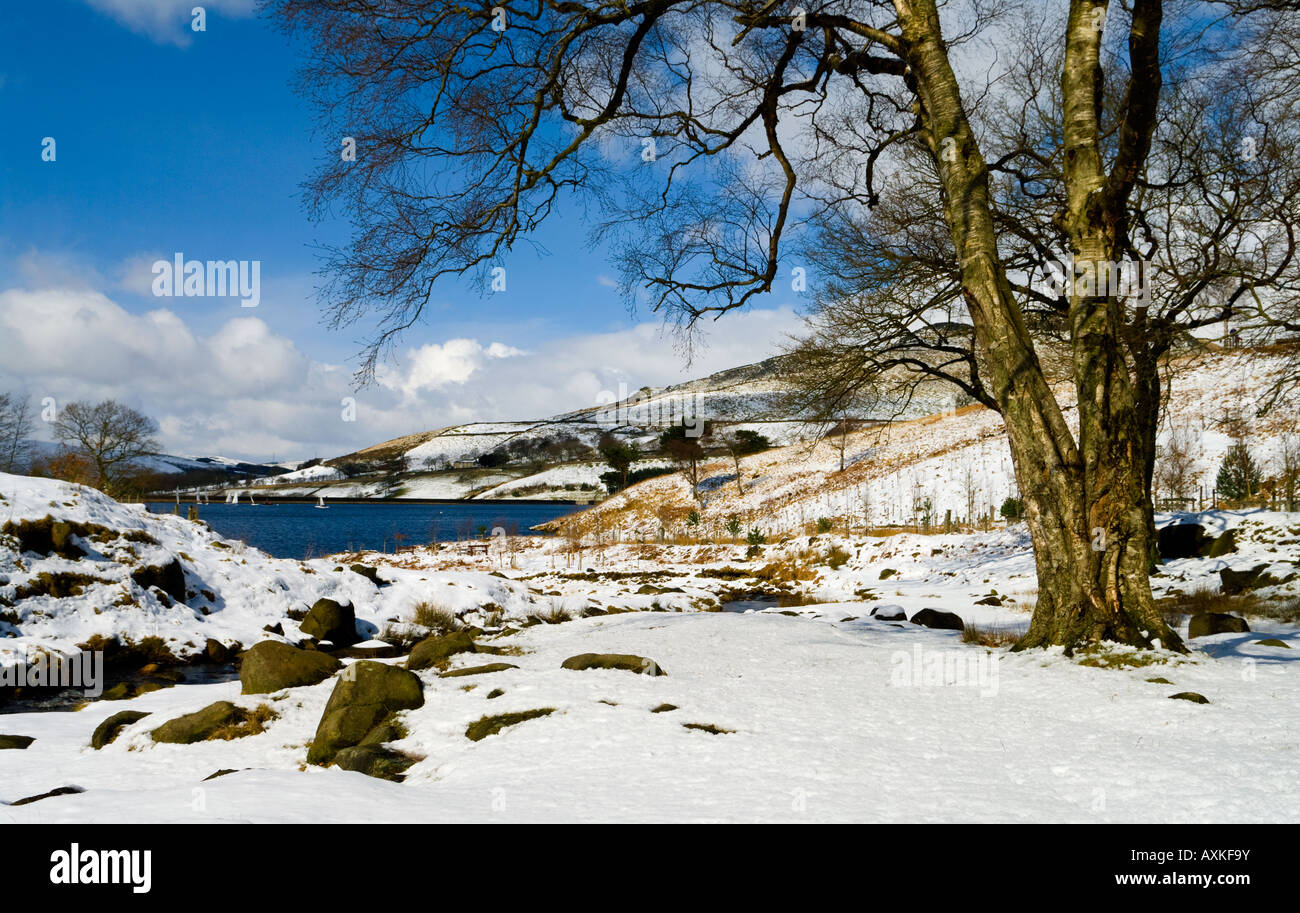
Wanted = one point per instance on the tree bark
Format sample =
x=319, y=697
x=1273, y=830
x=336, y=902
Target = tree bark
x=1115, y=491
x=1085, y=594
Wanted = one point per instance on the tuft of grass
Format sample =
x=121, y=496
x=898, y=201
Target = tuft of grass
x=402, y=636
x=989, y=636
x=837, y=557
x=555, y=614
x=58, y=586
x=1202, y=599
x=1208, y=599
x=1286, y=610
x=435, y=617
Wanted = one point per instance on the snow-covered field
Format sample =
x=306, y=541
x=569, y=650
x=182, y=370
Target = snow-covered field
x=823, y=727
x=827, y=714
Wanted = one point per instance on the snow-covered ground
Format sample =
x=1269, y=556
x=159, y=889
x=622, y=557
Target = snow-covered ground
x=827, y=713
x=826, y=720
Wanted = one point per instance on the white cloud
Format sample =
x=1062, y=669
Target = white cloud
x=244, y=390
x=135, y=274
x=433, y=366
x=168, y=21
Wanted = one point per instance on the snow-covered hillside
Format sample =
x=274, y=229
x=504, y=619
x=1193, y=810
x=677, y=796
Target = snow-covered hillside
x=951, y=463
x=751, y=396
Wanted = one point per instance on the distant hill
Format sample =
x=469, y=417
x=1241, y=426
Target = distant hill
x=172, y=465
x=750, y=396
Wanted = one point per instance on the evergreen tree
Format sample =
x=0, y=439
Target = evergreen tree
x=1239, y=476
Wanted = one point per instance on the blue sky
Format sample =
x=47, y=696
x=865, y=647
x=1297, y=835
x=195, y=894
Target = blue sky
x=169, y=140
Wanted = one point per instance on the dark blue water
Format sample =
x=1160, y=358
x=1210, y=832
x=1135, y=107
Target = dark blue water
x=297, y=530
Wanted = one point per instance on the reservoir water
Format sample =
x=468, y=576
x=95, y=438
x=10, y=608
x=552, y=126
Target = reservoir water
x=302, y=530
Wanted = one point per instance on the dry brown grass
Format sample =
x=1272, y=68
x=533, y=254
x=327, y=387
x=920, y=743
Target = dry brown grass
x=252, y=722
x=554, y=614
x=993, y=635
x=435, y=617
x=1206, y=599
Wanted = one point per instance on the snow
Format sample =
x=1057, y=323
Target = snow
x=831, y=714
x=317, y=473
x=824, y=728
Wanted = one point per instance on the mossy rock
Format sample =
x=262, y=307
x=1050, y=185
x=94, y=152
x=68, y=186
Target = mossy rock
x=479, y=670
x=888, y=612
x=494, y=694
x=943, y=621
x=435, y=649
x=1223, y=544
x=490, y=725
x=887, y=573
x=1189, y=696
x=332, y=621
x=200, y=725
x=1274, y=642
x=106, y=732
x=47, y=536
x=383, y=763
x=272, y=666
x=125, y=691
x=1234, y=582
x=16, y=742
x=664, y=708
x=364, y=697
x=214, y=651
x=169, y=577
x=370, y=573
x=1207, y=624
x=379, y=651
x=387, y=731
x=1181, y=540
x=1160, y=680
x=989, y=600
x=626, y=661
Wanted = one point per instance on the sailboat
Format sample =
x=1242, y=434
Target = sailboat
x=320, y=503
x=251, y=502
